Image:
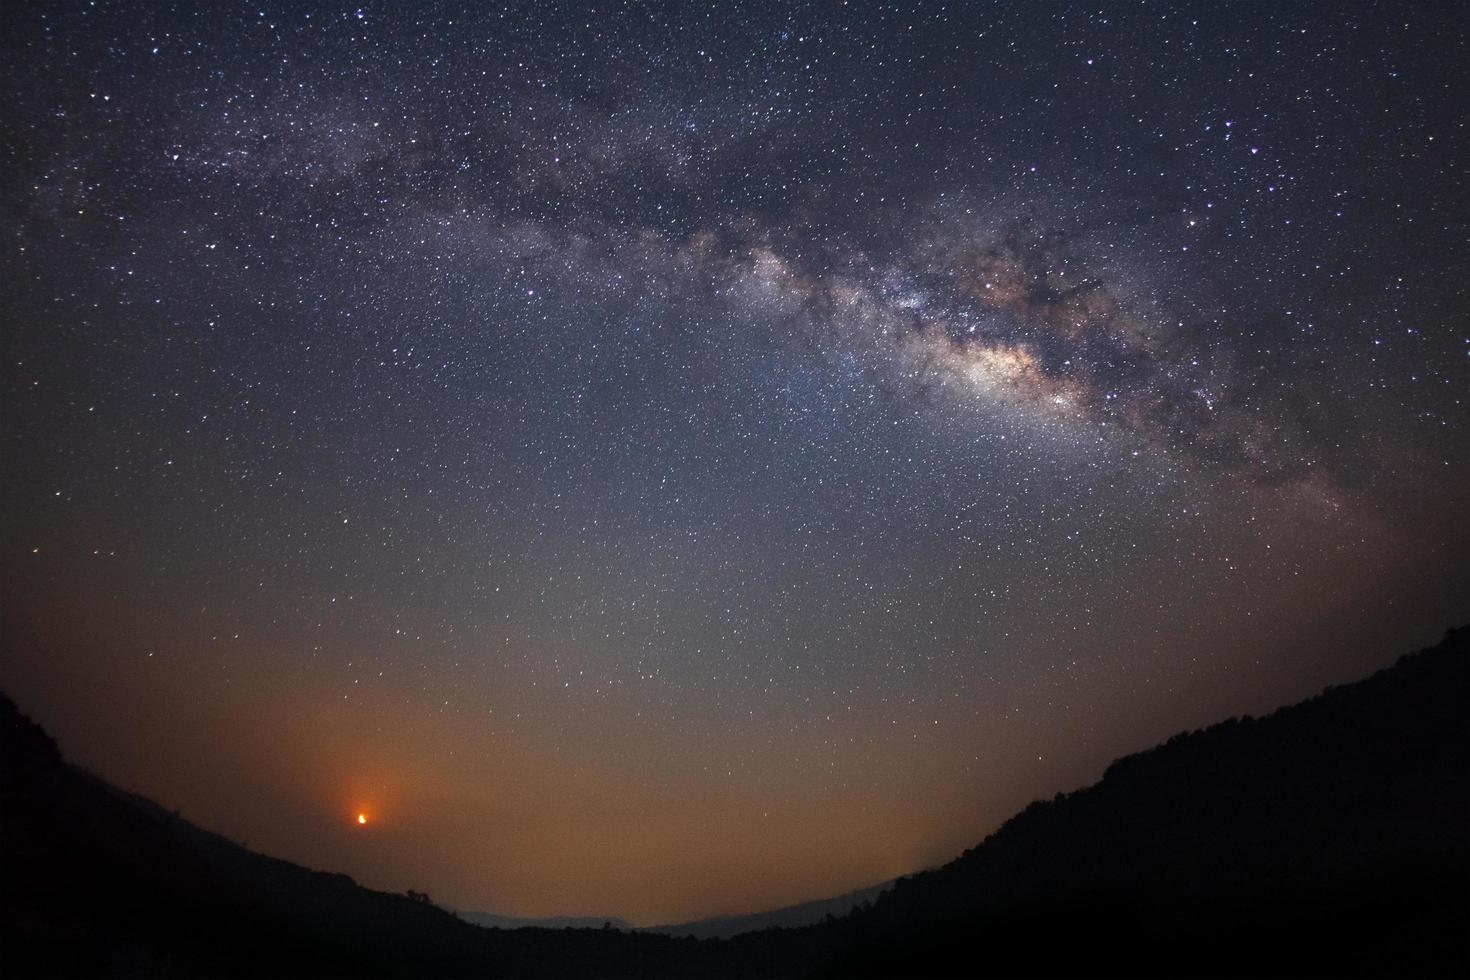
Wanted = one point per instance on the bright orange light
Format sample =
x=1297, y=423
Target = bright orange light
x=362, y=818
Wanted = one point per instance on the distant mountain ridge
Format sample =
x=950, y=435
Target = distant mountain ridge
x=1330, y=838
x=787, y=917
x=492, y=921
x=714, y=927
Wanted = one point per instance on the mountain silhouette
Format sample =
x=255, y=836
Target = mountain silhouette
x=786, y=917
x=98, y=882
x=492, y=920
x=1330, y=838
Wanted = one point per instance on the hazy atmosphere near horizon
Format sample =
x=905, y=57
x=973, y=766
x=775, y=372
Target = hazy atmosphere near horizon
x=658, y=461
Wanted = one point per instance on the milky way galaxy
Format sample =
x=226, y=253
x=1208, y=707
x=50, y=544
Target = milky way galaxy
x=666, y=461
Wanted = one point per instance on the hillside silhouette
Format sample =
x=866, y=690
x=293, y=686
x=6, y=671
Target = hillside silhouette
x=1330, y=838
x=98, y=882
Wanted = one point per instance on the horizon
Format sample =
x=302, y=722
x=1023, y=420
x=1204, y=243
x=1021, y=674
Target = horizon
x=619, y=922
x=669, y=464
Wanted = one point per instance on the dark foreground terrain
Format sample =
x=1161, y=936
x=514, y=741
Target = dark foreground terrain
x=1331, y=838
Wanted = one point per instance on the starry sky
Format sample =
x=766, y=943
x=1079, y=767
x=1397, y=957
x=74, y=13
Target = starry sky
x=658, y=461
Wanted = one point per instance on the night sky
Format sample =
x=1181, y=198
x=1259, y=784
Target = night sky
x=657, y=462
